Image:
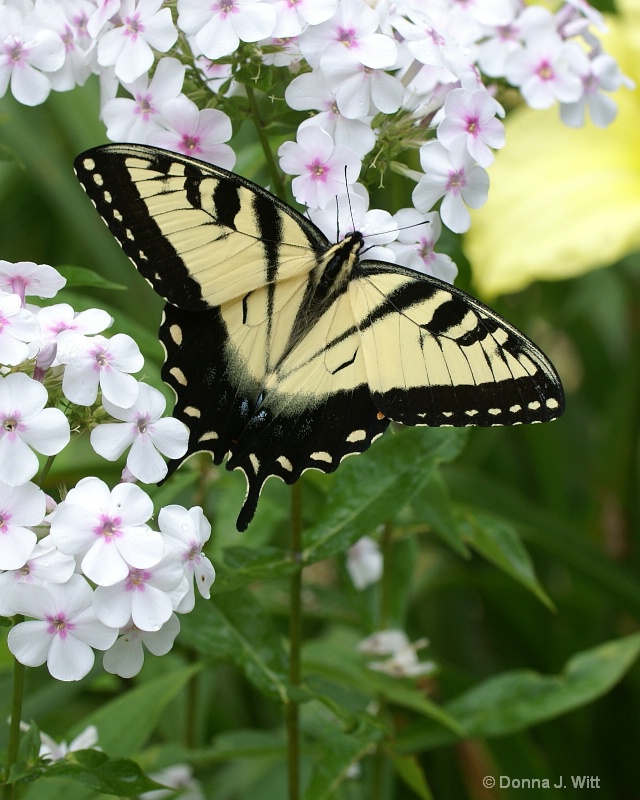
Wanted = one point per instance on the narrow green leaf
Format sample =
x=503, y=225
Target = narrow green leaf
x=500, y=544
x=243, y=566
x=126, y=723
x=374, y=487
x=81, y=276
x=234, y=627
x=408, y=768
x=516, y=700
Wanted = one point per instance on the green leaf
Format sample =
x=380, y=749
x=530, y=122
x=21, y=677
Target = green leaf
x=409, y=769
x=81, y=276
x=120, y=777
x=516, y=700
x=374, y=487
x=126, y=723
x=234, y=627
x=335, y=751
x=243, y=566
x=500, y=544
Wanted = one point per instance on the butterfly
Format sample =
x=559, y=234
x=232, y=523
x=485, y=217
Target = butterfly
x=287, y=352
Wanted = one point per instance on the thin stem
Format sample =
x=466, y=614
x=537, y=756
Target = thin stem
x=44, y=471
x=19, y=671
x=295, y=644
x=276, y=176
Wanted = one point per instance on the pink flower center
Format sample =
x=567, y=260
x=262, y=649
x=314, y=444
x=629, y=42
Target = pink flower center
x=456, y=181
x=133, y=26
x=318, y=170
x=11, y=424
x=137, y=580
x=18, y=286
x=59, y=626
x=68, y=39
x=16, y=51
x=545, y=71
x=109, y=528
x=101, y=357
x=190, y=144
x=225, y=7
x=506, y=33
x=473, y=126
x=144, y=105
x=347, y=37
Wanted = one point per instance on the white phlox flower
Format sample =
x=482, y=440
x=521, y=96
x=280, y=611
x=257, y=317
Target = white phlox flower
x=128, y=46
x=453, y=176
x=20, y=507
x=26, y=278
x=51, y=750
x=69, y=21
x=188, y=130
x=321, y=166
x=188, y=531
x=26, y=425
x=46, y=564
x=293, y=17
x=63, y=629
x=471, y=118
x=61, y=317
x=132, y=119
x=107, y=530
x=603, y=75
x=218, y=27
x=364, y=562
x=145, y=432
x=19, y=328
x=353, y=29
x=403, y=661
x=93, y=361
x=126, y=656
x=28, y=52
x=147, y=597
x=415, y=245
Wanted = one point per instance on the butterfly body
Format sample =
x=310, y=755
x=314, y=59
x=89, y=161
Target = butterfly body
x=287, y=352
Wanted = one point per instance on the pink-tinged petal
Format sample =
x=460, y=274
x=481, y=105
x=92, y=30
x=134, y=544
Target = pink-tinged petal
x=80, y=385
x=256, y=22
x=112, y=605
x=46, y=51
x=316, y=141
x=90, y=630
x=112, y=439
x=145, y=462
x=103, y=564
x=119, y=387
x=27, y=504
x=16, y=546
x=171, y=437
x=141, y=548
x=134, y=60
x=29, y=642
x=24, y=325
x=24, y=393
x=18, y=463
x=73, y=597
x=454, y=214
x=126, y=353
x=160, y=31
x=150, y=609
x=69, y=659
x=167, y=80
x=377, y=51
x=217, y=38
x=133, y=503
x=160, y=642
x=214, y=126
x=70, y=527
x=48, y=432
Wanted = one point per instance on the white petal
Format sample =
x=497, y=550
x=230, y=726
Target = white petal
x=112, y=439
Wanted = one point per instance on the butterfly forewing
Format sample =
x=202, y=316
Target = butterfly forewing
x=200, y=235
x=285, y=352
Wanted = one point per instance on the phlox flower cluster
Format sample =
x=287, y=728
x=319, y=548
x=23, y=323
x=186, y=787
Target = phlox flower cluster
x=374, y=79
x=90, y=572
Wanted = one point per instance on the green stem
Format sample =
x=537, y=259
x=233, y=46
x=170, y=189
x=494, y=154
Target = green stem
x=44, y=471
x=276, y=175
x=14, y=728
x=295, y=644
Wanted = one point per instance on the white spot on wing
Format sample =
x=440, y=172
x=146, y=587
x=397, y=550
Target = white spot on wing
x=192, y=411
x=321, y=455
x=357, y=436
x=179, y=375
x=208, y=436
x=285, y=463
x=255, y=462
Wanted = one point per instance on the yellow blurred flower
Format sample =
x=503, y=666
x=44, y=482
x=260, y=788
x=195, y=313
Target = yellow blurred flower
x=563, y=200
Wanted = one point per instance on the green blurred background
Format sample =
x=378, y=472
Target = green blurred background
x=570, y=488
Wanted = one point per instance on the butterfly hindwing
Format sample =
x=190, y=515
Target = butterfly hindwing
x=436, y=356
x=287, y=353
